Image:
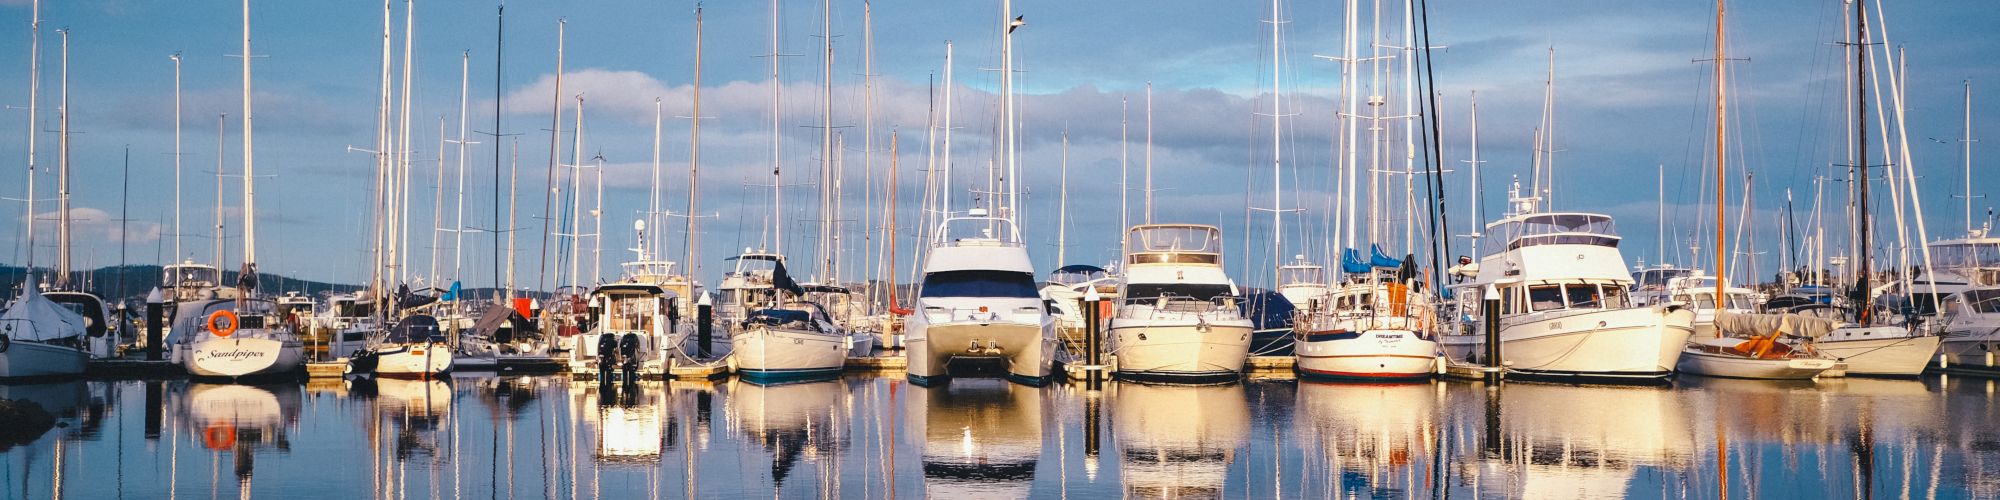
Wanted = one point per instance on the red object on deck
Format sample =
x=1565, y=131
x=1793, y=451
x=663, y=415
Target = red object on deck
x=525, y=306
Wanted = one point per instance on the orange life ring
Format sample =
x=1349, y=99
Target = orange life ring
x=226, y=329
x=218, y=437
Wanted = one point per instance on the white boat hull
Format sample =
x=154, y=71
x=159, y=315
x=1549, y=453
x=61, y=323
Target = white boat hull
x=1181, y=351
x=243, y=357
x=1028, y=352
x=1641, y=343
x=1371, y=354
x=1710, y=364
x=413, y=360
x=1904, y=356
x=35, y=359
x=762, y=352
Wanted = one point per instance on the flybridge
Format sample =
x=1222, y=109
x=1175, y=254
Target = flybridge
x=1550, y=229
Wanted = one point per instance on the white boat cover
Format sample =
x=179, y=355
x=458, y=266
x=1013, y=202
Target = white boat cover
x=1755, y=325
x=35, y=318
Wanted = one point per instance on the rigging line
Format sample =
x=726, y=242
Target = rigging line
x=1441, y=224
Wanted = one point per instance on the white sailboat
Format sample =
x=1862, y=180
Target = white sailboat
x=38, y=338
x=416, y=347
x=235, y=335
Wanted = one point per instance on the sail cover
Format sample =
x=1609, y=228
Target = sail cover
x=33, y=317
x=1755, y=325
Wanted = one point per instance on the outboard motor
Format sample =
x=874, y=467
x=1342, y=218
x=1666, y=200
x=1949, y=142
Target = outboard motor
x=628, y=354
x=607, y=355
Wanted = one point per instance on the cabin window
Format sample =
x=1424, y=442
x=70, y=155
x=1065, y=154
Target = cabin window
x=1704, y=301
x=1508, y=304
x=631, y=312
x=1202, y=292
x=980, y=283
x=1582, y=296
x=1615, y=297
x=1545, y=297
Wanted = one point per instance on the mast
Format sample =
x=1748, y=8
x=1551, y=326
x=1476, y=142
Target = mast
x=948, y=91
x=777, y=175
x=464, y=99
x=868, y=142
x=384, y=179
x=400, y=215
x=1966, y=155
x=1007, y=102
x=653, y=209
x=1124, y=187
x=1352, y=106
x=1863, y=282
x=499, y=39
x=34, y=98
x=575, y=227
x=826, y=143
x=177, y=157
x=437, y=206
x=690, y=247
x=1478, y=219
x=1277, y=158
x=62, y=162
x=249, y=162
x=221, y=137
x=1062, y=211
x=1149, y=152
x=555, y=156
x=1721, y=158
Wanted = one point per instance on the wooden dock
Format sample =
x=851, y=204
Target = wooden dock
x=878, y=364
x=1257, y=364
x=327, y=369
x=698, y=372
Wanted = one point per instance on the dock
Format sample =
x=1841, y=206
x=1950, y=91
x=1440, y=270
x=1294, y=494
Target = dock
x=698, y=372
x=326, y=369
x=1257, y=364
x=877, y=364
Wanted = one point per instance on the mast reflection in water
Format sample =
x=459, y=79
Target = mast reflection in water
x=487, y=436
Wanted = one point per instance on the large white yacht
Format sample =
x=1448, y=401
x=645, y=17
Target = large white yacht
x=1177, y=317
x=978, y=300
x=1565, y=311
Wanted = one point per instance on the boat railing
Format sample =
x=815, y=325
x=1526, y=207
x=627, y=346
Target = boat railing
x=941, y=314
x=1223, y=307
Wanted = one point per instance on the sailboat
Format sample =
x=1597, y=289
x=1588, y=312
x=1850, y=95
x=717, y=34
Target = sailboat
x=781, y=334
x=39, y=338
x=978, y=297
x=236, y=334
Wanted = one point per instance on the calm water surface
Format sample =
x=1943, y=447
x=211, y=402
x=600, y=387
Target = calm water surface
x=864, y=436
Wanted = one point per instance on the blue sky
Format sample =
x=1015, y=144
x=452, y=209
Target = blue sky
x=1629, y=99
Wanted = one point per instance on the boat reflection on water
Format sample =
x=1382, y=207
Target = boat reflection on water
x=1178, y=441
x=1564, y=441
x=1375, y=437
x=796, y=423
x=627, y=421
x=417, y=412
x=981, y=437
x=242, y=420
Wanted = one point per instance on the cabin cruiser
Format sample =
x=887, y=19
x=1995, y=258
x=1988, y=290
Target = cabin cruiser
x=1378, y=325
x=1565, y=308
x=1177, y=317
x=637, y=325
x=42, y=338
x=1971, y=331
x=978, y=300
x=1064, y=293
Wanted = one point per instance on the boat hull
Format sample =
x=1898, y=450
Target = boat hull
x=1970, y=352
x=1027, y=352
x=1371, y=354
x=1903, y=356
x=244, y=357
x=1709, y=364
x=1181, y=352
x=762, y=353
x=35, y=360
x=1637, y=343
x=414, y=360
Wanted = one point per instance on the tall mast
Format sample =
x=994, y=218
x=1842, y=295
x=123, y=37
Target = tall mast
x=221, y=137
x=1007, y=101
x=464, y=99
x=384, y=180
x=777, y=171
x=1062, y=211
x=690, y=247
x=1149, y=152
x=653, y=208
x=499, y=39
x=555, y=156
x=948, y=91
x=826, y=180
x=1478, y=218
x=1352, y=105
x=1966, y=155
x=1410, y=126
x=1277, y=156
x=1124, y=187
x=62, y=163
x=868, y=141
x=1721, y=157
x=1863, y=281
x=399, y=216
x=437, y=206
x=177, y=157
x=34, y=98
x=575, y=228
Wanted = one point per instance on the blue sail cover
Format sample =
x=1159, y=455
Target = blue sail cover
x=1350, y=262
x=1379, y=260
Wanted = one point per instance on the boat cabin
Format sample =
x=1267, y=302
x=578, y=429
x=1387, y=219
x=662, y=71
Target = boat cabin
x=1173, y=244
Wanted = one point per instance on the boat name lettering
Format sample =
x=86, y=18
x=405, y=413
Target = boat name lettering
x=236, y=354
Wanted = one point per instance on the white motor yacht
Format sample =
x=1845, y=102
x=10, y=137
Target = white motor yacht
x=978, y=300
x=1565, y=311
x=1177, y=317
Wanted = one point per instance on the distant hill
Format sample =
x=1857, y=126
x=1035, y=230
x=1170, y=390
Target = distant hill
x=134, y=282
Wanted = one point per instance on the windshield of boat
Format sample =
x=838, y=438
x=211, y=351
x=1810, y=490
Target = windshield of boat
x=1549, y=297
x=1965, y=255
x=1199, y=239
x=1202, y=292
x=980, y=283
x=1983, y=301
x=189, y=275
x=1551, y=229
x=1301, y=275
x=631, y=311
